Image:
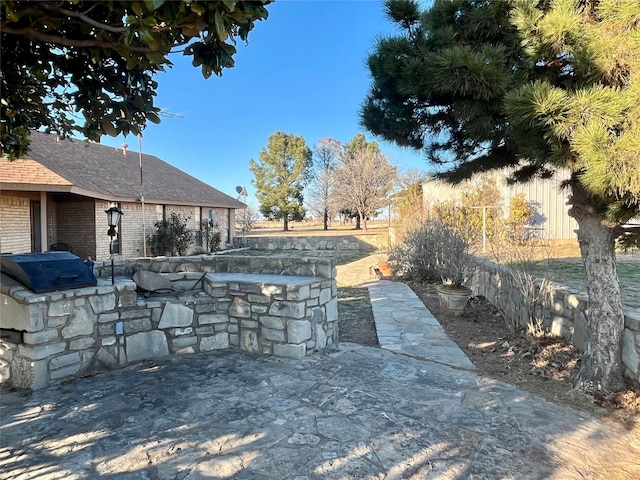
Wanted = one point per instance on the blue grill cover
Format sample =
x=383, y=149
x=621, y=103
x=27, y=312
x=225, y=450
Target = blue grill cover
x=48, y=271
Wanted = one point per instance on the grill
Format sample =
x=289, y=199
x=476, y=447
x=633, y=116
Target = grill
x=48, y=271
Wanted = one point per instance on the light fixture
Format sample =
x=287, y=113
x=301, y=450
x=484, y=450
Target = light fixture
x=113, y=218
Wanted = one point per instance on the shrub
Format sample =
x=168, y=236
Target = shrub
x=414, y=258
x=211, y=236
x=454, y=262
x=520, y=213
x=431, y=252
x=172, y=236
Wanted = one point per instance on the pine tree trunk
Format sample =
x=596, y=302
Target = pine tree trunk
x=601, y=365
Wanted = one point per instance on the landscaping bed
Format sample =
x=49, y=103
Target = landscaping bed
x=543, y=365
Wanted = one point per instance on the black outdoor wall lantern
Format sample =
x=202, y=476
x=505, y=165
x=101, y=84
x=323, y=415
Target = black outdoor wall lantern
x=113, y=217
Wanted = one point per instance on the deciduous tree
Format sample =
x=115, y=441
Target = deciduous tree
x=407, y=200
x=281, y=174
x=363, y=178
x=246, y=219
x=88, y=66
x=520, y=213
x=325, y=157
x=537, y=86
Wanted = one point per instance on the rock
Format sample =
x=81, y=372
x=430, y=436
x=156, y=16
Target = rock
x=150, y=281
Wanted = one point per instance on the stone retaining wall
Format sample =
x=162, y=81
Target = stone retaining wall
x=564, y=314
x=368, y=242
x=271, y=265
x=49, y=337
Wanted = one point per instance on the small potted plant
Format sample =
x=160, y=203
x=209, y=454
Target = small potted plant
x=455, y=266
x=384, y=267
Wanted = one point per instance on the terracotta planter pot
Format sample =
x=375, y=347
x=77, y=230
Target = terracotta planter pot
x=385, y=269
x=453, y=300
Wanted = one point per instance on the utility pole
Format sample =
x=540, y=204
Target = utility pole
x=484, y=223
x=144, y=225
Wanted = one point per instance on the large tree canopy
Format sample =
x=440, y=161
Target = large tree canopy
x=325, y=158
x=363, y=179
x=88, y=66
x=281, y=174
x=536, y=86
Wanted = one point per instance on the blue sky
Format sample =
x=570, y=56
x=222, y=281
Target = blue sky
x=303, y=72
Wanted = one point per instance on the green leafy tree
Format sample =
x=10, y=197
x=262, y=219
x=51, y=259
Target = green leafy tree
x=363, y=179
x=88, y=66
x=280, y=175
x=349, y=215
x=538, y=86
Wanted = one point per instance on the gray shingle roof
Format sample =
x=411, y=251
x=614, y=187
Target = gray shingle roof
x=109, y=173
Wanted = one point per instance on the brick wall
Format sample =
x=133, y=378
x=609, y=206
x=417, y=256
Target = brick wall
x=132, y=228
x=82, y=224
x=52, y=223
x=101, y=228
x=223, y=224
x=76, y=226
x=155, y=212
x=15, y=223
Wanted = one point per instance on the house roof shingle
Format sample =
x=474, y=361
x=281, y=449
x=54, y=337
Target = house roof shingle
x=106, y=173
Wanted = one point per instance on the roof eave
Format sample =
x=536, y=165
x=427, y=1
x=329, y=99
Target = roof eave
x=34, y=187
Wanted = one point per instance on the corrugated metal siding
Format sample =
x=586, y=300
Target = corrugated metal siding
x=545, y=196
x=549, y=201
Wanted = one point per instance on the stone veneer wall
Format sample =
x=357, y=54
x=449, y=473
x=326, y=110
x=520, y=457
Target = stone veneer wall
x=564, y=315
x=63, y=334
x=225, y=263
x=326, y=242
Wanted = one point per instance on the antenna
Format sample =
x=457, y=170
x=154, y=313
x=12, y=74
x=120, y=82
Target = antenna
x=144, y=228
x=164, y=113
x=241, y=191
x=242, y=194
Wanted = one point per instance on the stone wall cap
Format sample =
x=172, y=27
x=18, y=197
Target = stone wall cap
x=262, y=279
